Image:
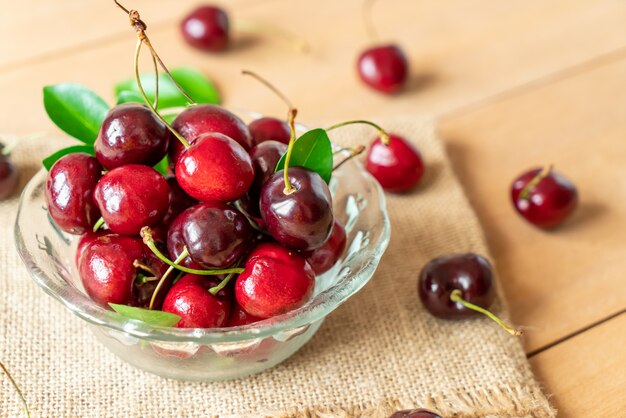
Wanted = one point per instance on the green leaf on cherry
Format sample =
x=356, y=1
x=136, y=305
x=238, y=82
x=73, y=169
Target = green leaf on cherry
x=196, y=84
x=312, y=150
x=75, y=109
x=157, y=318
x=162, y=166
x=49, y=161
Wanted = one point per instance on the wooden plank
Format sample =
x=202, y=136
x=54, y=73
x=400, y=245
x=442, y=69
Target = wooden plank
x=460, y=54
x=587, y=374
x=559, y=281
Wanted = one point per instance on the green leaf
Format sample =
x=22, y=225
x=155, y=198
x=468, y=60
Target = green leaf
x=158, y=318
x=49, y=161
x=162, y=166
x=75, y=109
x=128, y=96
x=313, y=151
x=197, y=86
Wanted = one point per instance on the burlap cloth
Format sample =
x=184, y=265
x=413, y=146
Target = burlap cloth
x=379, y=352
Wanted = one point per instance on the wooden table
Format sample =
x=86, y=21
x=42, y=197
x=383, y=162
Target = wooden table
x=514, y=85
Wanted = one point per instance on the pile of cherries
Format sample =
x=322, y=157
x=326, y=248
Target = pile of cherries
x=222, y=213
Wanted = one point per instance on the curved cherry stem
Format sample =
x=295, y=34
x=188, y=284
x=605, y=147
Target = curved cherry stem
x=216, y=289
x=146, y=235
x=156, y=83
x=384, y=136
x=545, y=172
x=372, y=33
x=17, y=388
x=98, y=224
x=353, y=153
x=299, y=44
x=456, y=296
x=167, y=273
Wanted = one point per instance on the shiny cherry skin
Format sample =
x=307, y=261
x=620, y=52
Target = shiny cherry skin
x=301, y=220
x=131, y=197
x=70, y=192
x=179, y=201
x=470, y=273
x=275, y=281
x=190, y=298
x=176, y=244
x=324, y=257
x=269, y=129
x=239, y=317
x=206, y=28
x=8, y=175
x=215, y=168
x=384, y=68
x=549, y=202
x=202, y=119
x=415, y=413
x=215, y=234
x=398, y=166
x=131, y=134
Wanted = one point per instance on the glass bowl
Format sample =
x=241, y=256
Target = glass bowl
x=210, y=354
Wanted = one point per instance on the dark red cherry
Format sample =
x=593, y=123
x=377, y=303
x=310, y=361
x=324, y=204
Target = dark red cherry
x=8, y=174
x=469, y=273
x=275, y=281
x=215, y=168
x=269, y=129
x=131, y=134
x=415, y=413
x=545, y=199
x=215, y=234
x=303, y=219
x=324, y=257
x=206, y=28
x=195, y=121
x=131, y=197
x=70, y=192
x=179, y=201
x=190, y=298
x=238, y=317
x=176, y=243
x=398, y=166
x=383, y=68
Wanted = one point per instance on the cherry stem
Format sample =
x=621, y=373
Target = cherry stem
x=353, y=153
x=456, y=296
x=17, y=388
x=372, y=34
x=156, y=83
x=138, y=265
x=216, y=289
x=169, y=271
x=299, y=44
x=545, y=172
x=146, y=234
x=384, y=136
x=98, y=224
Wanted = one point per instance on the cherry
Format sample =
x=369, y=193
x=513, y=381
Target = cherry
x=131, y=197
x=415, y=413
x=206, y=28
x=215, y=234
x=190, y=298
x=266, y=129
x=324, y=257
x=86, y=240
x=215, y=167
x=397, y=166
x=70, y=192
x=301, y=219
x=239, y=317
x=544, y=197
x=131, y=134
x=176, y=244
x=8, y=174
x=458, y=286
x=383, y=68
x=275, y=281
x=179, y=201
x=202, y=119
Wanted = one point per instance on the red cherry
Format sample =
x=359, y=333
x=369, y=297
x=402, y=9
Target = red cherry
x=131, y=197
x=398, y=166
x=383, y=68
x=275, y=281
x=545, y=199
x=324, y=257
x=206, y=28
x=239, y=317
x=198, y=308
x=215, y=167
x=269, y=129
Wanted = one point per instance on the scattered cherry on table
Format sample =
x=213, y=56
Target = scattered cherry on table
x=395, y=163
x=206, y=28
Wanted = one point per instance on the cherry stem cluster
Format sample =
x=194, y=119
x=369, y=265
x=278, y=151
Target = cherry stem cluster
x=216, y=289
x=456, y=296
x=17, y=389
x=384, y=136
x=545, y=172
x=167, y=273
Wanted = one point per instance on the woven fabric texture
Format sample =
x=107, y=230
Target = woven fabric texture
x=379, y=352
